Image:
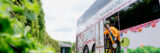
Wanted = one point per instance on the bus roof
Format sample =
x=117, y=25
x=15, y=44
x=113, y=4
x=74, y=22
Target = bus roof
x=95, y=7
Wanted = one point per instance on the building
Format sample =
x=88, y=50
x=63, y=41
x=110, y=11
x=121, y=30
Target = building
x=65, y=48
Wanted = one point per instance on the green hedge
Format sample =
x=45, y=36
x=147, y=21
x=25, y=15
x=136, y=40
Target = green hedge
x=145, y=49
x=22, y=27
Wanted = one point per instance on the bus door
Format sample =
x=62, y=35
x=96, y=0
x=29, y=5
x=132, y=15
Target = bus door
x=99, y=37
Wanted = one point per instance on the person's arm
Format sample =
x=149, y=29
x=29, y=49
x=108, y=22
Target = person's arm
x=106, y=32
x=115, y=32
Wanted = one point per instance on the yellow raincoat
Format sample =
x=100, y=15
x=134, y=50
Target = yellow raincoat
x=115, y=33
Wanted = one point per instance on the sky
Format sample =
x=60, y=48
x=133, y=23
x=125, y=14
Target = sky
x=61, y=17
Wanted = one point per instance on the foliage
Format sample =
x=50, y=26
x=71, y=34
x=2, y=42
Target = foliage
x=70, y=50
x=22, y=27
x=73, y=46
x=53, y=43
x=145, y=49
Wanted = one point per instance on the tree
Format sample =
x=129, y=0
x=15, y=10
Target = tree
x=73, y=46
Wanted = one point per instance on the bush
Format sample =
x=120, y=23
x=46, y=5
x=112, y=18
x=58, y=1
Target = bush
x=145, y=49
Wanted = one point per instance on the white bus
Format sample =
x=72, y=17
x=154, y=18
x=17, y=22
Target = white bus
x=138, y=20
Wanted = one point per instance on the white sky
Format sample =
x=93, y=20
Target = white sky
x=61, y=17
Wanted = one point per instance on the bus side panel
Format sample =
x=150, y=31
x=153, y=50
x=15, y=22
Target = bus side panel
x=79, y=44
x=99, y=37
x=91, y=38
x=149, y=36
x=86, y=38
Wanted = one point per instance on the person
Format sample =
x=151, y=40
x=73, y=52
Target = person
x=113, y=35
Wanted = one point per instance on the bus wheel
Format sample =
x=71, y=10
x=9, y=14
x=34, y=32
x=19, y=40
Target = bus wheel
x=86, y=50
x=93, y=49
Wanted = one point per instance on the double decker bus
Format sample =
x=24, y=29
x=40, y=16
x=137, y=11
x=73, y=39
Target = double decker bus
x=138, y=20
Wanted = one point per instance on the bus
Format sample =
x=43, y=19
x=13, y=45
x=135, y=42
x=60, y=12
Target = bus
x=138, y=22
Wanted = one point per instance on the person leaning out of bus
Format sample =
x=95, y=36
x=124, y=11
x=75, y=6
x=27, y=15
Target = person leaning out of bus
x=113, y=34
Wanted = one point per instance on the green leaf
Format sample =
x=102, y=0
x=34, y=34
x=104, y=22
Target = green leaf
x=5, y=26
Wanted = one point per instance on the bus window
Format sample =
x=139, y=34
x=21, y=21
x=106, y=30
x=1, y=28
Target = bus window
x=139, y=12
x=113, y=20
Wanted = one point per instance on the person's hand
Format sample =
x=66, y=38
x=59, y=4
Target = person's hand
x=115, y=39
